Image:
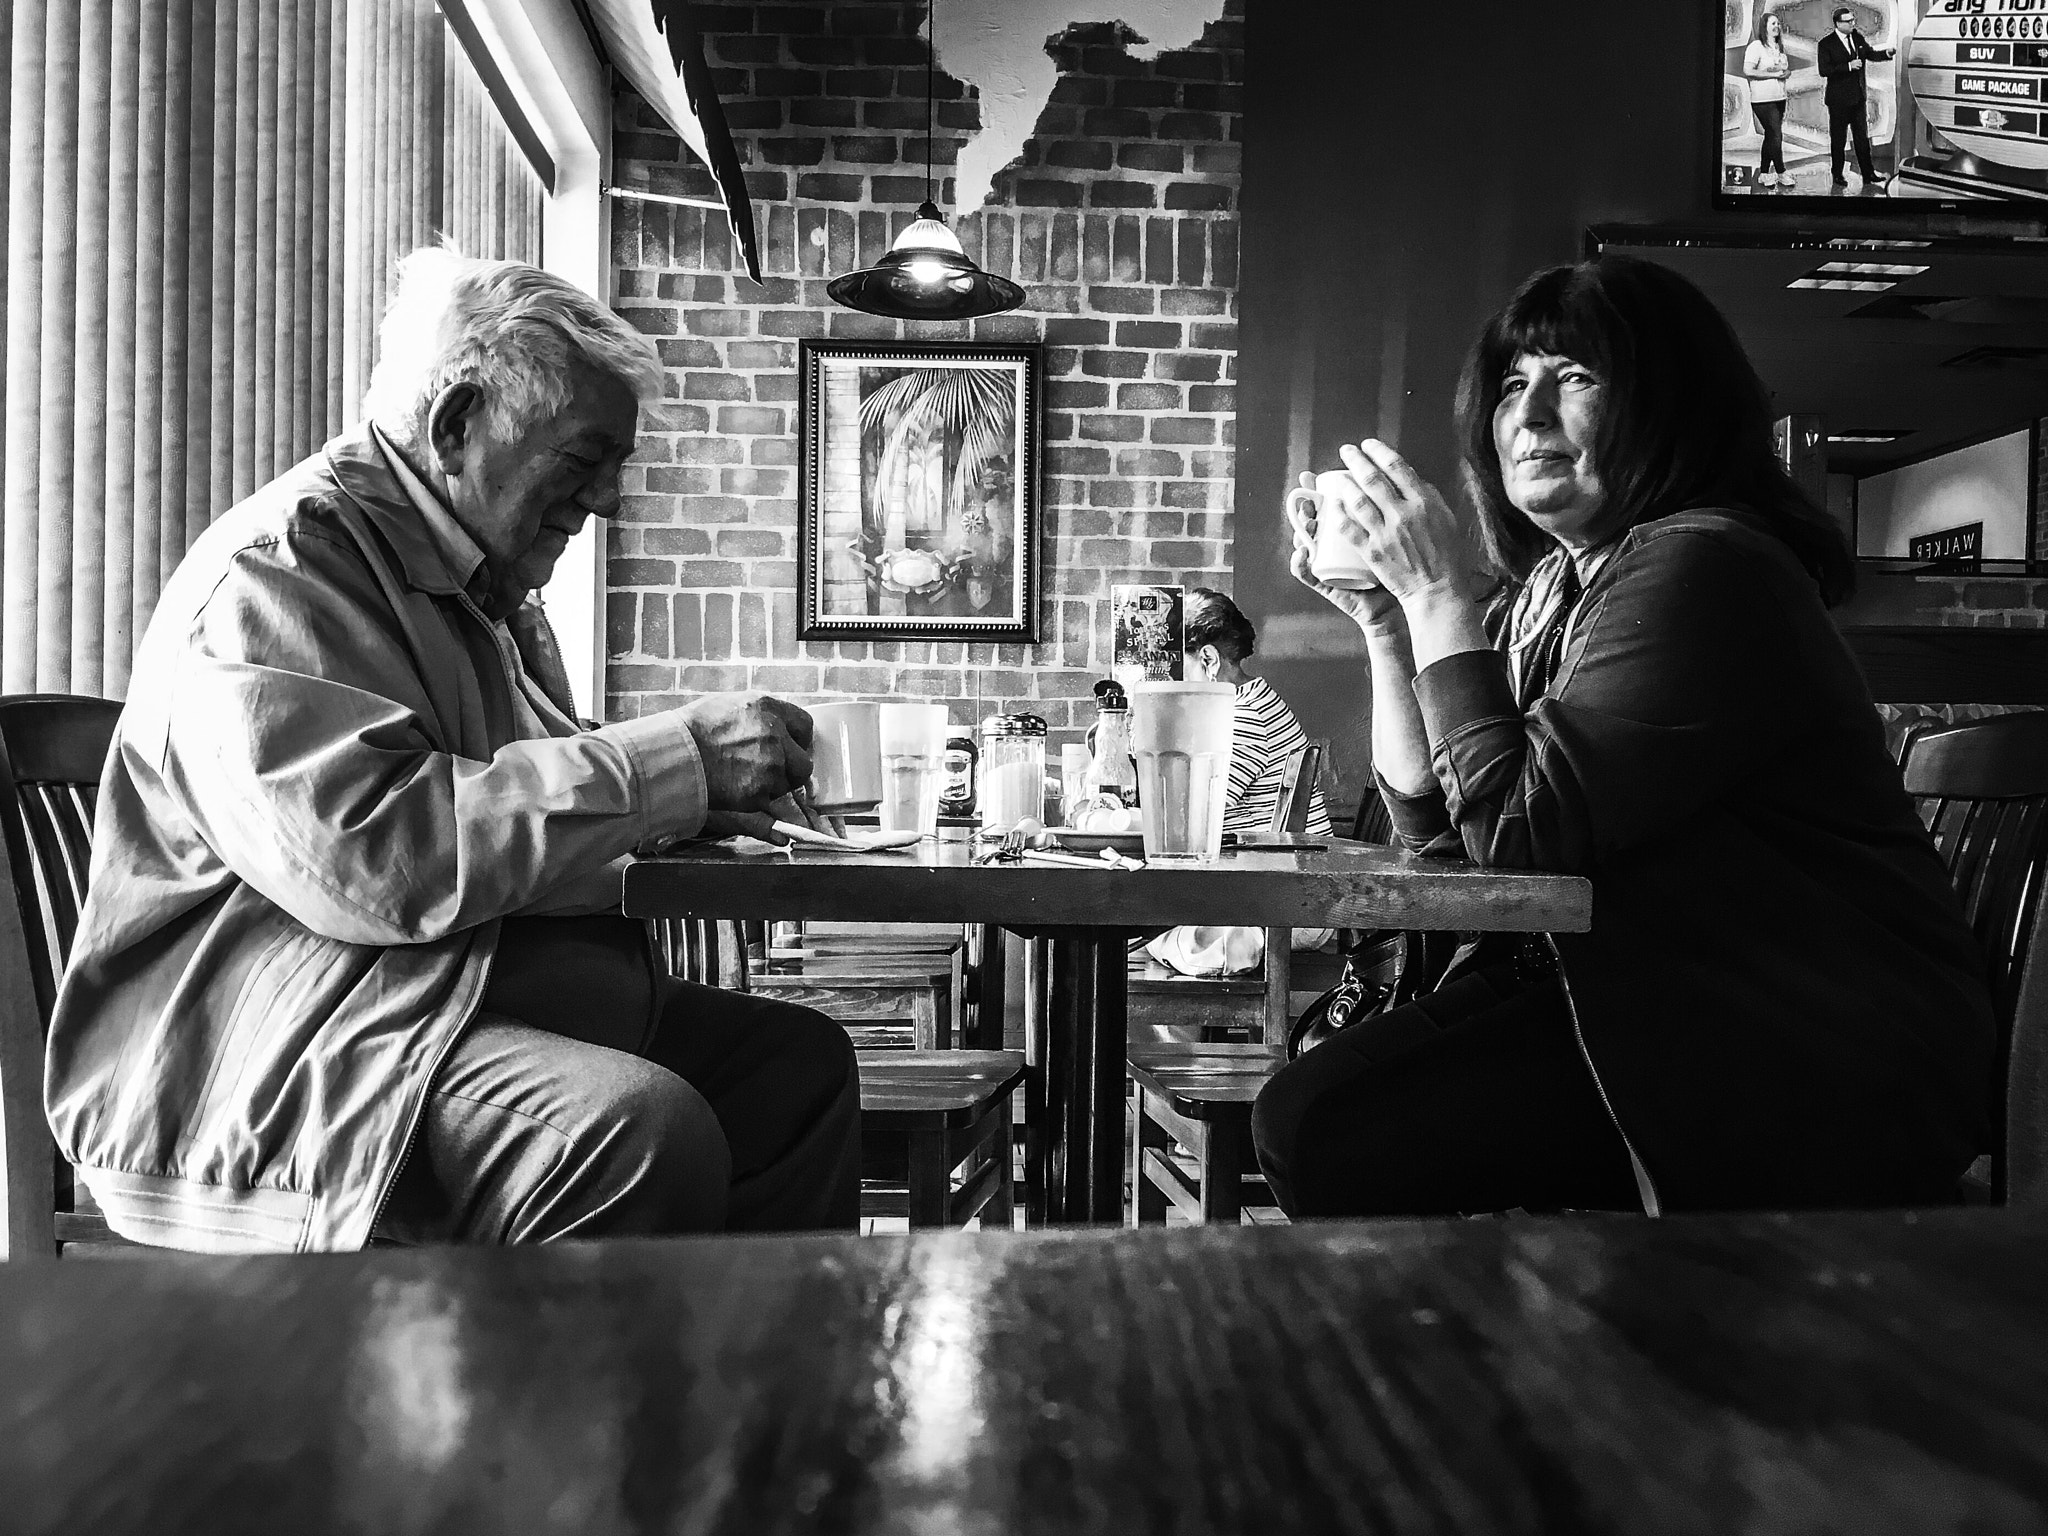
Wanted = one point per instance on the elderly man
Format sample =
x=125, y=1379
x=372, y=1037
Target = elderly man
x=352, y=965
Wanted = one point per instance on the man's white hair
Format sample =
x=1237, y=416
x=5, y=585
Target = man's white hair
x=512, y=330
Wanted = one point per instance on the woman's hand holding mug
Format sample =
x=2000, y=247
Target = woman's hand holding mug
x=1414, y=542
x=1375, y=537
x=1327, y=557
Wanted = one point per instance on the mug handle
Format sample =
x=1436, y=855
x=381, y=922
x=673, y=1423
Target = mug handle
x=1300, y=492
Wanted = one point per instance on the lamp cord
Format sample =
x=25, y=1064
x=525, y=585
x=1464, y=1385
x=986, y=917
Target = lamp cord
x=931, y=54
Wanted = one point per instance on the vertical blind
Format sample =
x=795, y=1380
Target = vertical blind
x=203, y=203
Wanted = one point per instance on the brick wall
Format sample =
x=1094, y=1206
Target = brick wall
x=1120, y=221
x=1886, y=598
x=2039, y=547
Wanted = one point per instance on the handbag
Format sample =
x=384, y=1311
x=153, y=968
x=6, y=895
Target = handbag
x=1384, y=969
x=1391, y=969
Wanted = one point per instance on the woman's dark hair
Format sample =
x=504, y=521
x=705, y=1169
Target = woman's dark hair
x=1686, y=422
x=1763, y=25
x=1210, y=618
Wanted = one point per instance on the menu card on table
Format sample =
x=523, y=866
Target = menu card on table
x=1147, y=634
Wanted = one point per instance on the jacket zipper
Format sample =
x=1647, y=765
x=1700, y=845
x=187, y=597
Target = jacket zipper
x=555, y=644
x=1645, y=1188
x=419, y=1109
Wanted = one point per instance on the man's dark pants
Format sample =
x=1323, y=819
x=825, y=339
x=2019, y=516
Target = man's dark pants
x=1849, y=120
x=589, y=1098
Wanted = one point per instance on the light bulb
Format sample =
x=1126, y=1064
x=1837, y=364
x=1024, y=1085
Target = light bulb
x=926, y=273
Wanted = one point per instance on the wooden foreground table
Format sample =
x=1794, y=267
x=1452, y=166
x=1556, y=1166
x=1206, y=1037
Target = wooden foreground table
x=1867, y=1374
x=1076, y=1086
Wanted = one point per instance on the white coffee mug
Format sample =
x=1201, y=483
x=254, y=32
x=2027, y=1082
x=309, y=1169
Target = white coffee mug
x=1337, y=562
x=846, y=756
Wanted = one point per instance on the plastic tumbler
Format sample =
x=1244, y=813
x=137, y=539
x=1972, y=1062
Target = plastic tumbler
x=913, y=767
x=1180, y=735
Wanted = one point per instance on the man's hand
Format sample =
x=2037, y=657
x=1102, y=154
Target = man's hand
x=756, y=749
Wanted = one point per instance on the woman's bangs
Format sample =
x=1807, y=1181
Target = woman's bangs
x=1559, y=318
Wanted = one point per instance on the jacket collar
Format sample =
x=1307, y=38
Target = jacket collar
x=429, y=561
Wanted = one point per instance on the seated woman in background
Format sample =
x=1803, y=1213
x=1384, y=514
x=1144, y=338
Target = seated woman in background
x=1778, y=1004
x=1217, y=638
x=1265, y=736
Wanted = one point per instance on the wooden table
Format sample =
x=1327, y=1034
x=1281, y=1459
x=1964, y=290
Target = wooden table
x=1076, y=1084
x=1870, y=1374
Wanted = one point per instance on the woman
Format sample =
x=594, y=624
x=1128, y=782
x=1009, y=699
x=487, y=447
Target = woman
x=1217, y=637
x=1778, y=1004
x=1765, y=66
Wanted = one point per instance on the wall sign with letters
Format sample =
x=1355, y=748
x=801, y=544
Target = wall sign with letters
x=1951, y=546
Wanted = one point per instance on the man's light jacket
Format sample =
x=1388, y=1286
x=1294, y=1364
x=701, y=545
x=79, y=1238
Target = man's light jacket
x=328, y=785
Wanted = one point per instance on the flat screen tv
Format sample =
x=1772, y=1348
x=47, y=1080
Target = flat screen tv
x=1952, y=94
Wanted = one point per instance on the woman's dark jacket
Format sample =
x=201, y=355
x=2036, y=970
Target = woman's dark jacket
x=1779, y=996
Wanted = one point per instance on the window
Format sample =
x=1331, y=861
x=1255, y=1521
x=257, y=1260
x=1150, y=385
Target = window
x=202, y=204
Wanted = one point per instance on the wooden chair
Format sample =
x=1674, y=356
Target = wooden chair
x=1983, y=789
x=53, y=748
x=929, y=1118
x=1197, y=1096
x=902, y=986
x=1200, y=1099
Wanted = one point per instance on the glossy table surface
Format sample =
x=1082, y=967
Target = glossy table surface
x=1866, y=1374
x=1344, y=885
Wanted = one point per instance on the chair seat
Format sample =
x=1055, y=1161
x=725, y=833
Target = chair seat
x=1205, y=1082
x=925, y=935
x=935, y=1088
x=1151, y=979
x=851, y=971
x=929, y=1116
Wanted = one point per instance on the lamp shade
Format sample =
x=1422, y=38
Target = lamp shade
x=925, y=276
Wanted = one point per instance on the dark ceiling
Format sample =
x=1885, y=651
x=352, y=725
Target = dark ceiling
x=1950, y=356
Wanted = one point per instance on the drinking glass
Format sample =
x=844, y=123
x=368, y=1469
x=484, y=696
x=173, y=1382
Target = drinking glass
x=913, y=767
x=1180, y=735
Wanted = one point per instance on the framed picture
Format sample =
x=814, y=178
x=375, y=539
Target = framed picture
x=917, y=491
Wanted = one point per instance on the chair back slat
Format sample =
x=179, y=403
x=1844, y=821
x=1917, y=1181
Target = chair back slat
x=53, y=749
x=62, y=851
x=43, y=897
x=71, y=812
x=1973, y=843
x=1297, y=791
x=1983, y=792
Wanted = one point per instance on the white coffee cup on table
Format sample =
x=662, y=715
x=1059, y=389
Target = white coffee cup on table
x=846, y=756
x=1338, y=561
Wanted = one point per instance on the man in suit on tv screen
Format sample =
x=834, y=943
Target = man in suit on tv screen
x=1842, y=56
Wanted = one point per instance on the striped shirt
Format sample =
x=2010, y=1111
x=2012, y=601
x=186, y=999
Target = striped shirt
x=1267, y=735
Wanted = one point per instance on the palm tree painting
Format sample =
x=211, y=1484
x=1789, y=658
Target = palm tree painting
x=917, y=481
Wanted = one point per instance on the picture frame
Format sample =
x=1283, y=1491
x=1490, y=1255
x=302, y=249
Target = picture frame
x=918, y=490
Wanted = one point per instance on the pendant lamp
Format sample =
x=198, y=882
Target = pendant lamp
x=926, y=276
